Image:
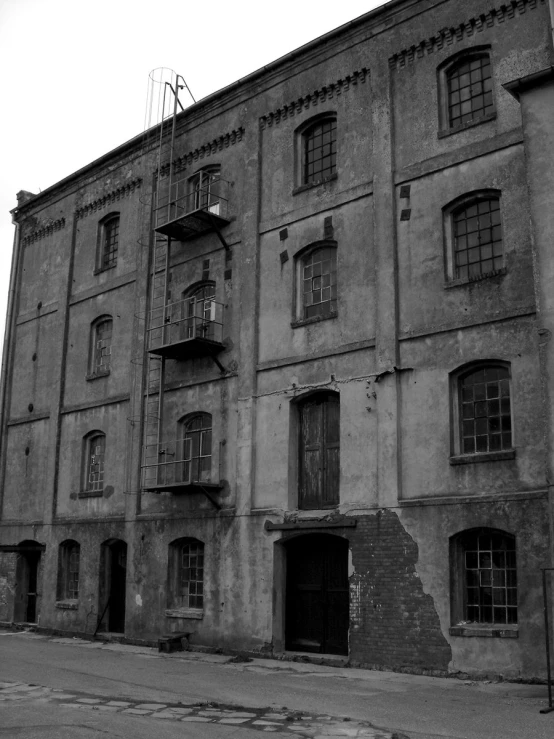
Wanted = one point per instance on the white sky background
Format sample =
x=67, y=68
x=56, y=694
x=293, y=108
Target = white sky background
x=74, y=74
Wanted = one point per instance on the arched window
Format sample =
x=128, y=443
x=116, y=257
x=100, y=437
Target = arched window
x=484, y=577
x=484, y=409
x=204, y=190
x=199, y=312
x=318, y=150
x=317, y=280
x=186, y=574
x=108, y=238
x=68, y=570
x=196, y=448
x=94, y=454
x=469, y=89
x=101, y=346
x=319, y=451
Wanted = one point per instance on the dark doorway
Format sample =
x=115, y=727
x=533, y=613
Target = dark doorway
x=317, y=606
x=26, y=583
x=113, y=576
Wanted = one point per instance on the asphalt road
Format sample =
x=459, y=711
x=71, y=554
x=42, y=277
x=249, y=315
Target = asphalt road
x=415, y=706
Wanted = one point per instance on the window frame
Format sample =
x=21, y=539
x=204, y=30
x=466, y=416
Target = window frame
x=196, y=194
x=332, y=497
x=458, y=455
x=299, y=318
x=450, y=211
x=444, y=72
x=93, y=368
x=209, y=302
x=185, y=446
x=103, y=265
x=65, y=595
x=175, y=606
x=458, y=548
x=301, y=137
x=88, y=489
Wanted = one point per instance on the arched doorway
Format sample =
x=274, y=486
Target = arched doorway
x=27, y=582
x=112, y=586
x=317, y=597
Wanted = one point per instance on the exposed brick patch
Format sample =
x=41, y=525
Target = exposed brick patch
x=392, y=621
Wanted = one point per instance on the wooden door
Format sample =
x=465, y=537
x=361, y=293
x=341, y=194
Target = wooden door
x=317, y=612
x=319, y=466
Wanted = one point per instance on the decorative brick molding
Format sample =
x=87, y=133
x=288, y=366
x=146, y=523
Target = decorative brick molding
x=47, y=230
x=110, y=198
x=212, y=147
x=447, y=36
x=312, y=99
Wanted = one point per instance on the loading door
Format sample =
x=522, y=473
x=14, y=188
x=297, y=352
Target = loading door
x=317, y=608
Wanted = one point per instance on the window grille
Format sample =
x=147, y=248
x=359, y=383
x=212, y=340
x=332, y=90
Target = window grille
x=191, y=575
x=489, y=577
x=477, y=239
x=469, y=87
x=110, y=242
x=320, y=151
x=485, y=413
x=319, y=282
x=95, y=464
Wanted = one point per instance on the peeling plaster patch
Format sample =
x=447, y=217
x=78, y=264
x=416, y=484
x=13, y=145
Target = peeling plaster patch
x=138, y=599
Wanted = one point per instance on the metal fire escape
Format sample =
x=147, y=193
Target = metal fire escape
x=184, y=207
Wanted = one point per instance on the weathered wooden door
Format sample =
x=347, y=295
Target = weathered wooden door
x=319, y=466
x=317, y=609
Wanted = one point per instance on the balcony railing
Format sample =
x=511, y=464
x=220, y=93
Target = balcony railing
x=170, y=466
x=192, y=206
x=186, y=328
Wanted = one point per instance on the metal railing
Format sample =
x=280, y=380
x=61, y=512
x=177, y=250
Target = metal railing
x=184, y=320
x=205, y=191
x=172, y=463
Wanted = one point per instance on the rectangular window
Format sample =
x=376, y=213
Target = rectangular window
x=191, y=575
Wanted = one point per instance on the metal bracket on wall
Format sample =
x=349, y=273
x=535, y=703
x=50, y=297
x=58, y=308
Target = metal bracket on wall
x=212, y=500
x=218, y=231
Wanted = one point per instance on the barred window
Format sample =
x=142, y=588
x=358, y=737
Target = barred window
x=110, y=242
x=487, y=577
x=94, y=462
x=469, y=90
x=477, y=236
x=197, y=448
x=186, y=574
x=485, y=412
x=319, y=151
x=101, y=350
x=68, y=571
x=318, y=279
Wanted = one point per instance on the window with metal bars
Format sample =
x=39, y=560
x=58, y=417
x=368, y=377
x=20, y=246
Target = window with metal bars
x=477, y=238
x=469, y=90
x=318, y=281
x=485, y=410
x=186, y=574
x=94, y=462
x=319, y=151
x=109, y=242
x=68, y=570
x=485, y=577
x=196, y=448
x=101, y=349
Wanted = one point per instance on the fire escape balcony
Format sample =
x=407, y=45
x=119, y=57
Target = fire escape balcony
x=187, y=329
x=188, y=208
x=173, y=466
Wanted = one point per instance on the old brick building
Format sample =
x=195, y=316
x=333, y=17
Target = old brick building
x=281, y=379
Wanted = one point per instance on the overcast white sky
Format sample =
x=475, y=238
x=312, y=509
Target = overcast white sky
x=74, y=74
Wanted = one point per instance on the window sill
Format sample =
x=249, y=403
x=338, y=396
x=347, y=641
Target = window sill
x=443, y=133
x=314, y=319
x=91, y=494
x=311, y=185
x=483, y=457
x=469, y=280
x=97, y=375
x=498, y=631
x=99, y=270
x=184, y=613
x=67, y=605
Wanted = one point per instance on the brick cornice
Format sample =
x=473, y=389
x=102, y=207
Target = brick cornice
x=47, y=229
x=112, y=197
x=448, y=35
x=312, y=99
x=212, y=147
